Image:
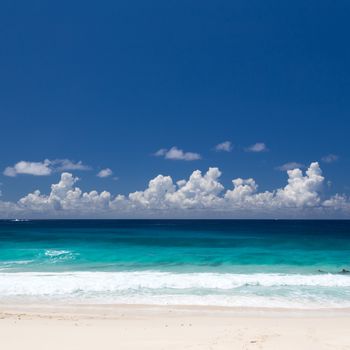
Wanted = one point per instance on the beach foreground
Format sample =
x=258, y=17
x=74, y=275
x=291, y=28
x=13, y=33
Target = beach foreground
x=153, y=327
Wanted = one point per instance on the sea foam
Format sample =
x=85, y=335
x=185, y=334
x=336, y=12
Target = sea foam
x=181, y=288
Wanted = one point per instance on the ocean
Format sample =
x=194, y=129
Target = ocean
x=239, y=263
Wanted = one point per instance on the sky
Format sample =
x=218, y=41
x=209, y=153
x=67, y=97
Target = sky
x=114, y=94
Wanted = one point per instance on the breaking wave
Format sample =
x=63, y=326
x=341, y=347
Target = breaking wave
x=153, y=287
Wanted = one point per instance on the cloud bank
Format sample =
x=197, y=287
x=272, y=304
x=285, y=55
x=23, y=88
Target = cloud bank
x=200, y=196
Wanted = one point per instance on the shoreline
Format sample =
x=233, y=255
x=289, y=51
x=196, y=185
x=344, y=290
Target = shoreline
x=111, y=310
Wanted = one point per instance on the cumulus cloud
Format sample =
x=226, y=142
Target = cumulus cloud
x=257, y=147
x=64, y=196
x=290, y=166
x=155, y=196
x=44, y=168
x=224, y=147
x=175, y=153
x=105, y=173
x=301, y=190
x=199, y=191
x=330, y=158
x=201, y=195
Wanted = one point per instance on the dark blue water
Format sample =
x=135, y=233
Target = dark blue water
x=226, y=262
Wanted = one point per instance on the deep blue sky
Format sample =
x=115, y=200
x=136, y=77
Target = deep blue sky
x=111, y=82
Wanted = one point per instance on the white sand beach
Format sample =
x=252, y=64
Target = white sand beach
x=155, y=328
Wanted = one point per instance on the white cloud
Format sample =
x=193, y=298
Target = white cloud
x=301, y=190
x=257, y=147
x=105, y=173
x=175, y=153
x=224, y=146
x=29, y=168
x=330, y=158
x=338, y=202
x=66, y=164
x=64, y=196
x=201, y=195
x=290, y=166
x=155, y=196
x=200, y=191
x=44, y=168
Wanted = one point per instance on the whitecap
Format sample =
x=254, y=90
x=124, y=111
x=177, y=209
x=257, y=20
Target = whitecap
x=55, y=253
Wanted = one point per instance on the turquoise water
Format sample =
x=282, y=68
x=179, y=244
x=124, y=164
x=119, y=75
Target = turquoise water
x=212, y=262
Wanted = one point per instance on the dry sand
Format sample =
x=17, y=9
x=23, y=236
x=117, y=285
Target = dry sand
x=153, y=328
